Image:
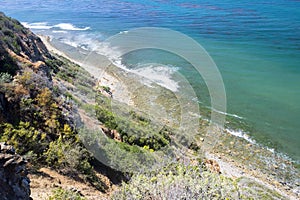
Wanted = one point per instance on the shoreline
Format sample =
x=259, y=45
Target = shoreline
x=104, y=78
x=121, y=93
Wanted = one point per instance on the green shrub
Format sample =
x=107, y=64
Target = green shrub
x=24, y=137
x=71, y=158
x=67, y=153
x=5, y=78
x=54, y=64
x=62, y=194
x=134, y=129
x=106, y=89
x=7, y=63
x=178, y=182
x=118, y=155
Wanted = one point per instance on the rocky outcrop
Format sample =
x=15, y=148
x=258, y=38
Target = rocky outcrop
x=21, y=40
x=14, y=183
x=20, y=50
x=19, y=47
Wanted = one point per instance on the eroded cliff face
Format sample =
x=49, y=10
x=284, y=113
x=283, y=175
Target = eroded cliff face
x=20, y=50
x=15, y=185
x=21, y=41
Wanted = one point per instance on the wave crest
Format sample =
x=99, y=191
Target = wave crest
x=46, y=26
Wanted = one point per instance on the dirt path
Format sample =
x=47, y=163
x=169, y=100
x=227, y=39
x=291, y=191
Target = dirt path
x=46, y=180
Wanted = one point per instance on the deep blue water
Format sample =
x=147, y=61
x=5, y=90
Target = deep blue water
x=255, y=44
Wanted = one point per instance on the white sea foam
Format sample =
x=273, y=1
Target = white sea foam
x=90, y=42
x=70, y=27
x=227, y=114
x=273, y=151
x=160, y=74
x=123, y=32
x=84, y=41
x=152, y=73
x=70, y=42
x=241, y=134
x=46, y=26
x=38, y=25
x=59, y=32
x=111, y=53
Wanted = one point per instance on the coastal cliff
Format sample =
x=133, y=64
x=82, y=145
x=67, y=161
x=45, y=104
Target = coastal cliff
x=36, y=117
x=47, y=103
x=20, y=45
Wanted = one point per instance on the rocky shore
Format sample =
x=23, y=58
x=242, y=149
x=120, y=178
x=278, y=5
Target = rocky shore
x=236, y=157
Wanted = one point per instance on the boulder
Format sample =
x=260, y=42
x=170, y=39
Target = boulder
x=15, y=185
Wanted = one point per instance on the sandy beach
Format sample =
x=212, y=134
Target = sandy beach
x=98, y=70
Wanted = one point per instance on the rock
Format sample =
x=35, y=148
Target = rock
x=15, y=185
x=7, y=149
x=275, y=166
x=276, y=183
x=282, y=182
x=116, y=135
x=213, y=166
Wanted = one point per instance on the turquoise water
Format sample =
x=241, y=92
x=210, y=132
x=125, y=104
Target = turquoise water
x=255, y=44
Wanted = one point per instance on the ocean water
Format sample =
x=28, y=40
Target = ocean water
x=255, y=44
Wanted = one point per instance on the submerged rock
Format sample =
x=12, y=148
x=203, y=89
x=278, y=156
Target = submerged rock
x=15, y=185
